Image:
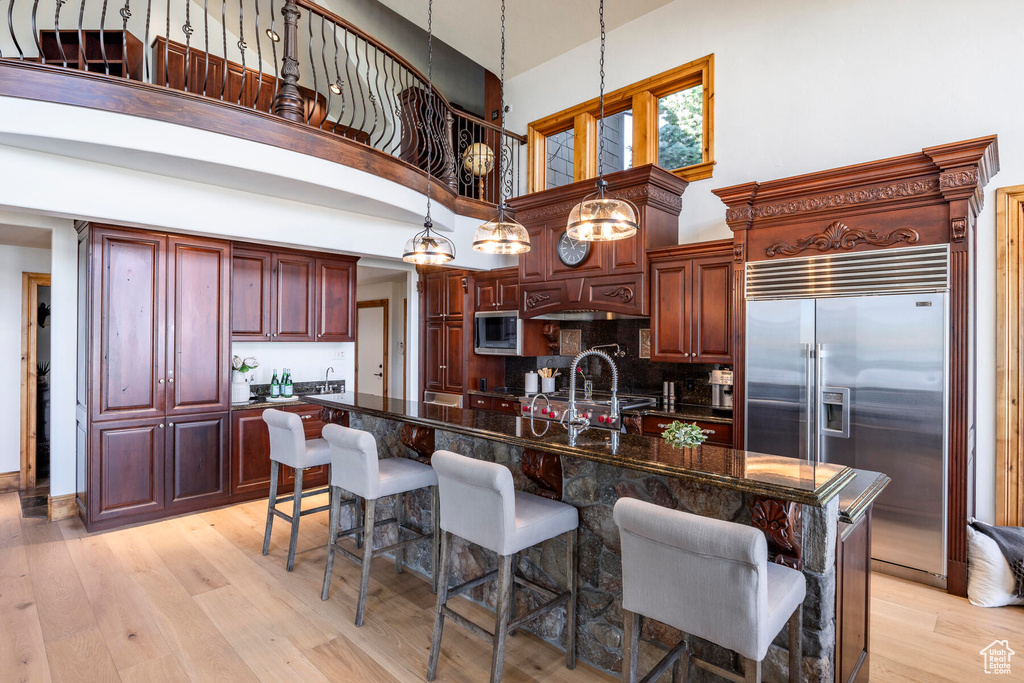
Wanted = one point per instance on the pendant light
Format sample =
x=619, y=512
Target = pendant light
x=502, y=234
x=428, y=248
x=602, y=217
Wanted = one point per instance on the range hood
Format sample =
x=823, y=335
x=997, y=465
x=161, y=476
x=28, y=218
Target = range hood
x=612, y=280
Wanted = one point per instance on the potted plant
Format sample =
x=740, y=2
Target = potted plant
x=239, y=385
x=681, y=435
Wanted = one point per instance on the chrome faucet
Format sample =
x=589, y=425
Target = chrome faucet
x=617, y=353
x=571, y=416
x=326, y=388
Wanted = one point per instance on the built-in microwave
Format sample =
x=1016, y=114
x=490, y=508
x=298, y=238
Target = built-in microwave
x=498, y=333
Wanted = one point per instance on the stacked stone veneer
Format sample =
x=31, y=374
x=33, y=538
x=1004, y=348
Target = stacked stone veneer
x=593, y=488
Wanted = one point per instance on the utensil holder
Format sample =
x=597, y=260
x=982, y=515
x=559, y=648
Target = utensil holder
x=547, y=385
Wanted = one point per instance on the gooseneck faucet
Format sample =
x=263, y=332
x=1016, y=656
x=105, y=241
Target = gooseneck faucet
x=327, y=381
x=571, y=416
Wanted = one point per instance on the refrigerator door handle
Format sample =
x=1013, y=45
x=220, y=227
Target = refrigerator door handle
x=818, y=353
x=809, y=382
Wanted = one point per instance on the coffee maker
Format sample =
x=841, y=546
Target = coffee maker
x=721, y=389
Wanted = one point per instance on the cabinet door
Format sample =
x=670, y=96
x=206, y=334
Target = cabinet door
x=453, y=358
x=485, y=294
x=508, y=293
x=294, y=297
x=312, y=427
x=670, y=304
x=435, y=307
x=126, y=475
x=250, y=295
x=454, y=287
x=433, y=344
x=531, y=264
x=335, y=300
x=250, y=453
x=128, y=324
x=711, y=327
x=197, y=464
x=198, y=325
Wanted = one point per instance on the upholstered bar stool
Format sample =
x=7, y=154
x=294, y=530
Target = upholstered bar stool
x=288, y=446
x=355, y=468
x=708, y=578
x=480, y=505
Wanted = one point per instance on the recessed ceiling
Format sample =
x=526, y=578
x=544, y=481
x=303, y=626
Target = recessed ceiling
x=535, y=30
x=23, y=236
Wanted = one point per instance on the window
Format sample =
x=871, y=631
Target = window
x=666, y=119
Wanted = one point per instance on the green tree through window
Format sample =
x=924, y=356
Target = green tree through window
x=680, y=128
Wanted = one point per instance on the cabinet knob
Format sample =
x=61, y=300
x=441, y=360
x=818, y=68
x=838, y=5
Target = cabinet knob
x=268, y=334
x=160, y=381
x=686, y=355
x=274, y=335
x=320, y=335
x=161, y=426
x=170, y=424
x=170, y=380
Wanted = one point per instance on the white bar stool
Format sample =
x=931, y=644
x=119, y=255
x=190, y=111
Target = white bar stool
x=480, y=505
x=708, y=578
x=355, y=468
x=288, y=446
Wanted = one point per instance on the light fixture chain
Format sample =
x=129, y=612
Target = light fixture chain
x=501, y=139
x=430, y=98
x=600, y=123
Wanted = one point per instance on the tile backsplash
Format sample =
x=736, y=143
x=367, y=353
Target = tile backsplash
x=636, y=375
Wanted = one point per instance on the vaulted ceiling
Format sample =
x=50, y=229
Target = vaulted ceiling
x=536, y=30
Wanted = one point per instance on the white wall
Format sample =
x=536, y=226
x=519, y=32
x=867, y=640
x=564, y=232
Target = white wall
x=13, y=262
x=807, y=85
x=308, y=361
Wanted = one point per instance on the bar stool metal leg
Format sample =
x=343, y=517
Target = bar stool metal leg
x=296, y=514
x=435, y=544
x=501, y=616
x=630, y=645
x=442, y=600
x=570, y=609
x=681, y=668
x=796, y=646
x=275, y=468
x=335, y=515
x=400, y=519
x=364, y=581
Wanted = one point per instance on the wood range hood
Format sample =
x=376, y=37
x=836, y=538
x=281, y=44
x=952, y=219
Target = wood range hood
x=612, y=281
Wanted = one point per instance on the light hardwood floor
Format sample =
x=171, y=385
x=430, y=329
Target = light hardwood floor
x=194, y=598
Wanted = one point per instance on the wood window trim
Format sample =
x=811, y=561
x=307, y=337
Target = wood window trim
x=1009, y=359
x=642, y=97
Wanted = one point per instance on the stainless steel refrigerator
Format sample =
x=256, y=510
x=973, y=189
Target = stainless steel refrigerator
x=846, y=362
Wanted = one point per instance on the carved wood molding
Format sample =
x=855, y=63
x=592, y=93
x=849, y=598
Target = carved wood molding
x=544, y=469
x=419, y=439
x=536, y=298
x=551, y=331
x=737, y=253
x=334, y=416
x=880, y=193
x=958, y=229
x=779, y=521
x=634, y=424
x=624, y=293
x=841, y=236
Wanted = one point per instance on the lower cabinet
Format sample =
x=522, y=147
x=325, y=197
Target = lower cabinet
x=250, y=453
x=655, y=425
x=196, y=455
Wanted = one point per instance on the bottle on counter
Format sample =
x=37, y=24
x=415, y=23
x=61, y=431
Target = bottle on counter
x=275, y=386
x=287, y=387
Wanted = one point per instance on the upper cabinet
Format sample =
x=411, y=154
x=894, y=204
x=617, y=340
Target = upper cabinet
x=496, y=290
x=283, y=295
x=560, y=274
x=445, y=290
x=691, y=303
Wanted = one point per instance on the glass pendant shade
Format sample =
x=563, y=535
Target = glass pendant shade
x=602, y=219
x=427, y=248
x=501, y=235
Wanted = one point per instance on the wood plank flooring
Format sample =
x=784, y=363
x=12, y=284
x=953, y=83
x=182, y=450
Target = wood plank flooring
x=193, y=598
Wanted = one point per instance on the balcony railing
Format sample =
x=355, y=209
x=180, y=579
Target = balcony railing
x=290, y=58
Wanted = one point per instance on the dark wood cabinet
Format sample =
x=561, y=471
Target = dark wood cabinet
x=478, y=402
x=198, y=325
x=495, y=403
x=434, y=308
x=294, y=297
x=196, y=460
x=853, y=599
x=453, y=359
x=485, y=293
x=691, y=302
x=251, y=291
x=114, y=52
x=126, y=463
x=433, y=344
x=454, y=291
x=655, y=425
x=250, y=453
x=508, y=291
x=335, y=293
x=285, y=295
x=497, y=290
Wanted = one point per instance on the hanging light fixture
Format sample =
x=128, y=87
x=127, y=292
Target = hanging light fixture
x=602, y=217
x=502, y=234
x=428, y=248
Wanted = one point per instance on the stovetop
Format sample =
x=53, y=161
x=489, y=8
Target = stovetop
x=599, y=398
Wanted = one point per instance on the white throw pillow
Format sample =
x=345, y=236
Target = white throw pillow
x=989, y=579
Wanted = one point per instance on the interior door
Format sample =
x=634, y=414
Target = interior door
x=888, y=354
x=371, y=349
x=780, y=377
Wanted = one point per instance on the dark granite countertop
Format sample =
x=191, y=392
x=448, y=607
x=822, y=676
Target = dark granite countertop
x=496, y=393
x=260, y=403
x=775, y=476
x=857, y=496
x=685, y=412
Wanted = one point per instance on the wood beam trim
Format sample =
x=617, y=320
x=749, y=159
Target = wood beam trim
x=536, y=161
x=584, y=164
x=645, y=128
x=1009, y=347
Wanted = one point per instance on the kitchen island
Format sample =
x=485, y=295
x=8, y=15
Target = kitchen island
x=795, y=504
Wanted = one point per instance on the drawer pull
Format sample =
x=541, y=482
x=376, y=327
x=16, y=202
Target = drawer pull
x=307, y=417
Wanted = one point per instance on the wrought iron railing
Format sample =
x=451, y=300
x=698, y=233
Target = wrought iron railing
x=291, y=58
